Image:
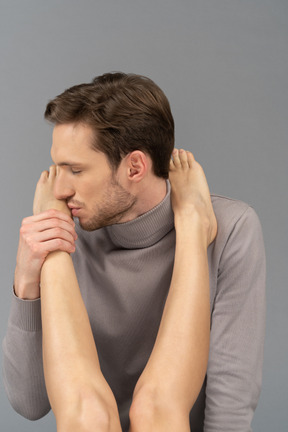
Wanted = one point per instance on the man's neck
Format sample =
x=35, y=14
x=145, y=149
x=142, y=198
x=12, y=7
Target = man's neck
x=151, y=194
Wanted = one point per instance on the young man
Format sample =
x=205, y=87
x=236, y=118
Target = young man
x=112, y=144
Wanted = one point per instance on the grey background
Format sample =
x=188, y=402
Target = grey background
x=224, y=67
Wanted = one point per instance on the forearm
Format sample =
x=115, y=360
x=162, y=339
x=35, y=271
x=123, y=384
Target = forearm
x=69, y=351
x=179, y=359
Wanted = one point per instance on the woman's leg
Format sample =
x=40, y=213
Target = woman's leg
x=174, y=374
x=79, y=395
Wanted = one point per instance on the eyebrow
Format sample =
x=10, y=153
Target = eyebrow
x=69, y=163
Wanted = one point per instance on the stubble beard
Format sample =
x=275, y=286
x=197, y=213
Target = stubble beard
x=116, y=203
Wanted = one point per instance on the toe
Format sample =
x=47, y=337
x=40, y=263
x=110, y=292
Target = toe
x=176, y=159
x=190, y=159
x=183, y=158
x=44, y=175
x=52, y=171
x=171, y=164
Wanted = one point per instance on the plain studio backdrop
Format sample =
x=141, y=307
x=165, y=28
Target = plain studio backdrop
x=224, y=67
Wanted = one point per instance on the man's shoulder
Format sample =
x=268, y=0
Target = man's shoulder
x=230, y=212
x=228, y=208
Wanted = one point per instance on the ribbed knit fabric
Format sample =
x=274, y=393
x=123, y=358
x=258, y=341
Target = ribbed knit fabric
x=124, y=272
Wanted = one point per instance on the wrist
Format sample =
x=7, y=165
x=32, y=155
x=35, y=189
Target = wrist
x=27, y=291
x=26, y=286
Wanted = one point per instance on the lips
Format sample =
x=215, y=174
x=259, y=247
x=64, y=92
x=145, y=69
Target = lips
x=74, y=210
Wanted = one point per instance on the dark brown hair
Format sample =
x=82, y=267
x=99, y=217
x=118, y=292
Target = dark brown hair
x=126, y=111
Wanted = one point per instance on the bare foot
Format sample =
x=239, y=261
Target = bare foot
x=190, y=191
x=44, y=198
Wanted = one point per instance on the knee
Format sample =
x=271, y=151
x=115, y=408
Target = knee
x=88, y=422
x=89, y=414
x=142, y=409
x=152, y=408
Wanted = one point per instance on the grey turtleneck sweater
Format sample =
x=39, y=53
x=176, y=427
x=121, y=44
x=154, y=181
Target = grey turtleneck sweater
x=124, y=273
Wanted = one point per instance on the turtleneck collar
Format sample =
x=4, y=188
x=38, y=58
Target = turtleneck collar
x=147, y=229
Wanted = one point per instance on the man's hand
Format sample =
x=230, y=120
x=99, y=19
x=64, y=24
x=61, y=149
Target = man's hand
x=50, y=229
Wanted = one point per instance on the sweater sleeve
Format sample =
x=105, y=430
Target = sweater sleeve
x=23, y=374
x=234, y=371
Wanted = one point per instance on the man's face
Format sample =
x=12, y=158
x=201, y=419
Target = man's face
x=85, y=179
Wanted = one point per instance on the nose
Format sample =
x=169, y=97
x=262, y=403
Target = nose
x=62, y=189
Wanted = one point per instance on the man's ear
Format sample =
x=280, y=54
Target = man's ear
x=137, y=165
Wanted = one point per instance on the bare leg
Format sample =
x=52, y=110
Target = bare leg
x=174, y=374
x=79, y=395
